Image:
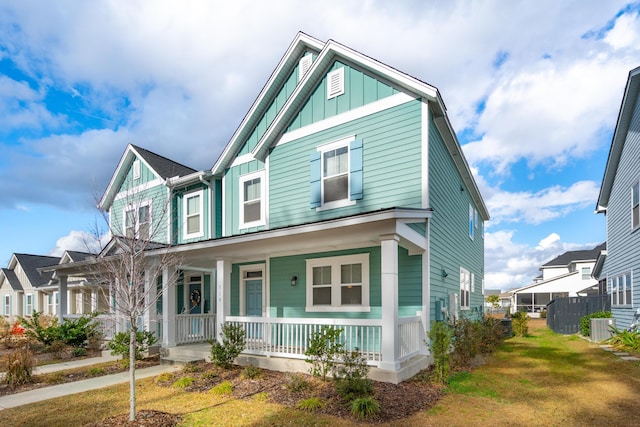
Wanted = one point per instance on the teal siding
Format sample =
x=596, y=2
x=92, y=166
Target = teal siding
x=359, y=89
x=235, y=286
x=217, y=185
x=409, y=283
x=158, y=198
x=178, y=220
x=450, y=244
x=146, y=175
x=232, y=196
x=391, y=167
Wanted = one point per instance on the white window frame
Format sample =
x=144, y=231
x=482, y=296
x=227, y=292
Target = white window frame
x=618, y=286
x=244, y=269
x=136, y=208
x=336, y=287
x=473, y=283
x=335, y=83
x=52, y=303
x=263, y=199
x=635, y=205
x=136, y=169
x=465, y=287
x=6, y=306
x=185, y=214
x=471, y=221
x=28, y=304
x=323, y=149
x=588, y=273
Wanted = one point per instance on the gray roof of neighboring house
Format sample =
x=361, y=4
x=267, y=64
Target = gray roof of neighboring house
x=166, y=168
x=31, y=263
x=79, y=256
x=572, y=256
x=12, y=279
x=488, y=292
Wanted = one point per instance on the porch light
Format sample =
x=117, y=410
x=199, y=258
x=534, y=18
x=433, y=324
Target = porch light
x=294, y=280
x=444, y=273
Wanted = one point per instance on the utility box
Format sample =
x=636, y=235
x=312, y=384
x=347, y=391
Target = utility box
x=601, y=329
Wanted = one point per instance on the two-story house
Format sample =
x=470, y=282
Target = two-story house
x=343, y=199
x=567, y=275
x=619, y=200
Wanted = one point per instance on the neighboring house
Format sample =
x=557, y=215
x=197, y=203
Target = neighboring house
x=619, y=200
x=566, y=275
x=22, y=286
x=343, y=199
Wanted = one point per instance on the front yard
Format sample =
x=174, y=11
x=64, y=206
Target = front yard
x=543, y=379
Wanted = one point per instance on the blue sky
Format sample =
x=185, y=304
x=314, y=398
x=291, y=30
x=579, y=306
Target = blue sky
x=533, y=90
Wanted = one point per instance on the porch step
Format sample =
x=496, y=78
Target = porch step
x=180, y=360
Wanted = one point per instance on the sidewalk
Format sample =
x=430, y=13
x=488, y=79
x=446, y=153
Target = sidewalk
x=40, y=394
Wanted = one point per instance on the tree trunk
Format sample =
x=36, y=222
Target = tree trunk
x=132, y=372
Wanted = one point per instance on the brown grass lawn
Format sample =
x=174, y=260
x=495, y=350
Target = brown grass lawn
x=542, y=380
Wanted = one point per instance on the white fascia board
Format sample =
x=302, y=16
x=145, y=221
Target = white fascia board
x=331, y=52
x=192, y=178
x=410, y=239
x=300, y=43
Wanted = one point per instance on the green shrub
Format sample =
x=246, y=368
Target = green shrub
x=251, y=372
x=466, y=340
x=323, y=350
x=119, y=345
x=543, y=314
x=351, y=377
x=19, y=366
x=491, y=334
x=232, y=345
x=225, y=388
x=95, y=371
x=312, y=404
x=183, y=382
x=440, y=337
x=78, y=352
x=75, y=332
x=624, y=338
x=585, y=321
x=190, y=368
x=520, y=323
x=296, y=383
x=43, y=329
x=365, y=408
x=58, y=348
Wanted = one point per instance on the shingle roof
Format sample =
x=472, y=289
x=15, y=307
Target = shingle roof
x=31, y=263
x=79, y=256
x=166, y=168
x=12, y=279
x=572, y=256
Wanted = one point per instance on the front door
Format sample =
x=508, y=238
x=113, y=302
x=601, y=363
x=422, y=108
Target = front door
x=196, y=303
x=252, y=283
x=253, y=291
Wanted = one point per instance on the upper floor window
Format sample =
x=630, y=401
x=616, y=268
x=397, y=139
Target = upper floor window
x=472, y=217
x=193, y=214
x=465, y=285
x=252, y=204
x=138, y=221
x=338, y=283
x=635, y=205
x=586, y=273
x=621, y=290
x=336, y=174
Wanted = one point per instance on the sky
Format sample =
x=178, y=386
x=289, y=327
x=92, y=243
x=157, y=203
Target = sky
x=532, y=89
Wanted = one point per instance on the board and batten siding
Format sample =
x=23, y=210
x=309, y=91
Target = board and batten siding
x=391, y=167
x=146, y=175
x=232, y=196
x=450, y=244
x=623, y=243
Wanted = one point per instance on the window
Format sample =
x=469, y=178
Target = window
x=635, y=205
x=138, y=221
x=336, y=174
x=465, y=282
x=586, y=273
x=338, y=283
x=621, y=290
x=52, y=303
x=136, y=169
x=6, y=310
x=471, y=220
x=304, y=65
x=473, y=283
x=193, y=217
x=335, y=83
x=252, y=206
x=28, y=304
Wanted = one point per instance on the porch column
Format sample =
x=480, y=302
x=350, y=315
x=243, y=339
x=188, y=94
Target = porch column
x=151, y=294
x=94, y=299
x=389, y=269
x=62, y=295
x=426, y=293
x=168, y=310
x=223, y=293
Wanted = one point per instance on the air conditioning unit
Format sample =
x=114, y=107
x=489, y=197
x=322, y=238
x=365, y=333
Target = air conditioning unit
x=601, y=329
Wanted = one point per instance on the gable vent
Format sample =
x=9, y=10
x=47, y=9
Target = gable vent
x=335, y=83
x=304, y=65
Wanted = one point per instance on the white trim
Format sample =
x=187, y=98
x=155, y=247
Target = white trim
x=244, y=178
x=223, y=232
x=322, y=149
x=136, y=207
x=356, y=113
x=242, y=286
x=426, y=116
x=335, y=83
x=138, y=188
x=335, y=263
x=185, y=198
x=465, y=282
x=304, y=65
x=241, y=160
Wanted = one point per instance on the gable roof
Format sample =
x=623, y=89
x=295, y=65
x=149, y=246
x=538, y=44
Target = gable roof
x=31, y=263
x=625, y=116
x=163, y=167
x=574, y=256
x=12, y=279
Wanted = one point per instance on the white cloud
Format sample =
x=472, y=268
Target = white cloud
x=80, y=241
x=625, y=33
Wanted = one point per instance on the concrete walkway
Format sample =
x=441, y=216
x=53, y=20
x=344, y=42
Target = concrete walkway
x=45, y=393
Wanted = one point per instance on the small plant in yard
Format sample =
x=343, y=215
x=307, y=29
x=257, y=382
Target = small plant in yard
x=223, y=354
x=251, y=372
x=79, y=352
x=323, y=351
x=191, y=368
x=466, y=340
x=365, y=408
x=19, y=365
x=58, y=348
x=119, y=345
x=624, y=338
x=585, y=321
x=54, y=378
x=209, y=375
x=163, y=377
x=520, y=322
x=95, y=371
x=225, y=388
x=491, y=334
x=183, y=382
x=311, y=404
x=440, y=337
x=351, y=377
x=41, y=328
x=261, y=397
x=296, y=383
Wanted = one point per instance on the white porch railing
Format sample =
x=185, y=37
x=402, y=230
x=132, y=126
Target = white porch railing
x=107, y=324
x=192, y=328
x=290, y=337
x=409, y=329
